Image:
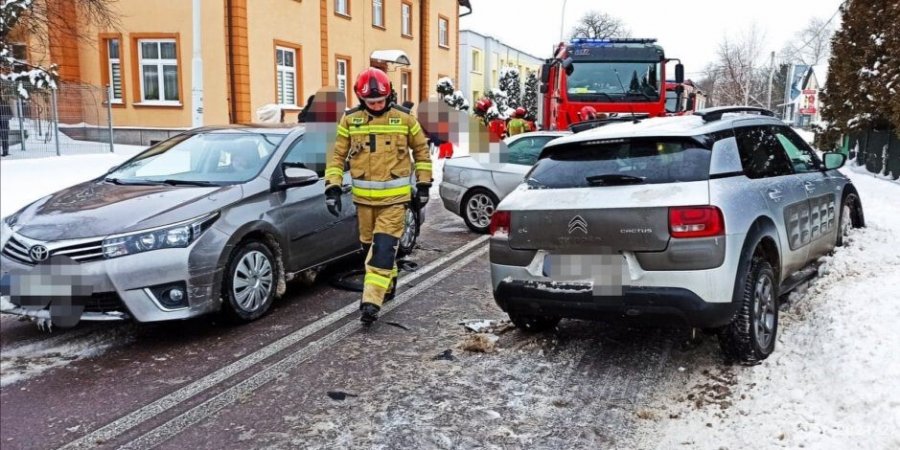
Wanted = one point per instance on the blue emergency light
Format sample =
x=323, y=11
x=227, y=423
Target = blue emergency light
x=607, y=41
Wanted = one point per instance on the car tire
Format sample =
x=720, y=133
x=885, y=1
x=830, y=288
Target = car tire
x=750, y=337
x=249, y=282
x=477, y=207
x=848, y=218
x=532, y=323
x=410, y=233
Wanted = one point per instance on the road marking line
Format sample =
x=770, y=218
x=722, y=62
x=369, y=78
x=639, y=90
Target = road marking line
x=241, y=390
x=147, y=412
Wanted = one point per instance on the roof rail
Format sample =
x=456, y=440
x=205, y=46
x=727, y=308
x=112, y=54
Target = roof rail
x=713, y=114
x=578, y=127
x=612, y=41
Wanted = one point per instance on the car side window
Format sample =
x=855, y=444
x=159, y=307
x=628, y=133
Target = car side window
x=802, y=156
x=525, y=151
x=301, y=154
x=761, y=153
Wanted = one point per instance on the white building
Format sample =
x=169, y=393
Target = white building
x=480, y=59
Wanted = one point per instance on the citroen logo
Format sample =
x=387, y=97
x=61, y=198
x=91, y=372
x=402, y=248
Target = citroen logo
x=38, y=253
x=578, y=224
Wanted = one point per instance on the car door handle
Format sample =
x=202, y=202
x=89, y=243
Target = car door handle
x=775, y=194
x=346, y=188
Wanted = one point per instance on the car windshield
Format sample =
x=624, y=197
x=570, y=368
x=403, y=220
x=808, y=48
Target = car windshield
x=621, y=161
x=614, y=81
x=198, y=159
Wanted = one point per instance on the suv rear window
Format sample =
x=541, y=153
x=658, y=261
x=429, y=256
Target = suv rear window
x=621, y=161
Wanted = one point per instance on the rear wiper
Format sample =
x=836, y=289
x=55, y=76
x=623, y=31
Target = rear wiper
x=613, y=179
x=188, y=183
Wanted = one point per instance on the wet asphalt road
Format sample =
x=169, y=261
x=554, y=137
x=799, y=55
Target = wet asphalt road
x=204, y=384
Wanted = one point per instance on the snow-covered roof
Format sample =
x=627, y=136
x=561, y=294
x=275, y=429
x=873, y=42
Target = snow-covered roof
x=391, y=56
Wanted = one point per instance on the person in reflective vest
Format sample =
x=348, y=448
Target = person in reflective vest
x=373, y=142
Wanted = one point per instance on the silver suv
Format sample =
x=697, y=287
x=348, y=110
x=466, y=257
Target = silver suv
x=704, y=220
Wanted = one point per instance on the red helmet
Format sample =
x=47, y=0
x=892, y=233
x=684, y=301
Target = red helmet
x=483, y=104
x=373, y=84
x=520, y=112
x=588, y=113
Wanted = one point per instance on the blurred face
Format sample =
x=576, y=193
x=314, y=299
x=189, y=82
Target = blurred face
x=376, y=104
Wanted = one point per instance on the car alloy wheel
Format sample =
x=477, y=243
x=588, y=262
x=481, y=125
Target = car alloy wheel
x=408, y=238
x=252, y=281
x=480, y=207
x=764, y=294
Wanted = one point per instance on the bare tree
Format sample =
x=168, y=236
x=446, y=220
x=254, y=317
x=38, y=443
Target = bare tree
x=811, y=45
x=41, y=21
x=740, y=78
x=599, y=25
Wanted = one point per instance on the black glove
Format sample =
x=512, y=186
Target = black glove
x=333, y=199
x=422, y=193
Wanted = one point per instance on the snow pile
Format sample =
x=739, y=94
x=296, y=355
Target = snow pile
x=832, y=381
x=24, y=181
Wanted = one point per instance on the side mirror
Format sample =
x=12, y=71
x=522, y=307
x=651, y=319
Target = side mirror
x=568, y=66
x=834, y=160
x=298, y=176
x=679, y=73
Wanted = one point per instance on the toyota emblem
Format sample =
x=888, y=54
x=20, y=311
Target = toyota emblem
x=38, y=253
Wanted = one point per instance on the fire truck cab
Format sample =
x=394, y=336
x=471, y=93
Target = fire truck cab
x=614, y=76
x=683, y=98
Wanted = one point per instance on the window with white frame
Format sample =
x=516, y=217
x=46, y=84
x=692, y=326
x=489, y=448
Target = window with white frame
x=378, y=13
x=406, y=19
x=341, y=75
x=286, y=66
x=443, y=32
x=114, y=69
x=159, y=71
x=404, y=86
x=341, y=7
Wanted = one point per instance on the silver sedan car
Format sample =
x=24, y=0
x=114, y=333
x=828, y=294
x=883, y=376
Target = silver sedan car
x=212, y=219
x=473, y=186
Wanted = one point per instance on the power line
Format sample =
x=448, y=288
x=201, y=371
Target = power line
x=821, y=29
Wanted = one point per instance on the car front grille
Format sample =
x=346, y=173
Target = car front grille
x=80, y=252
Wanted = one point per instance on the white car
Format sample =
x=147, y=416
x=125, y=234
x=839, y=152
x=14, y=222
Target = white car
x=473, y=186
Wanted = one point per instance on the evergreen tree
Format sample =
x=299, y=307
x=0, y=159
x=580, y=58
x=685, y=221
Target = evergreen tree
x=512, y=86
x=530, y=99
x=454, y=98
x=500, y=103
x=863, y=87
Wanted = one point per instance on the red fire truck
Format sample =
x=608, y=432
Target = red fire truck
x=683, y=98
x=614, y=76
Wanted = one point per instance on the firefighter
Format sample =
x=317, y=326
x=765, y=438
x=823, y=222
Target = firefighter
x=517, y=124
x=374, y=139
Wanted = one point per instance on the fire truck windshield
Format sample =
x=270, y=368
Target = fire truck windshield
x=614, y=81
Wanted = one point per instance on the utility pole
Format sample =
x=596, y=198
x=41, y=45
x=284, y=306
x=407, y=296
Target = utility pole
x=771, y=77
x=196, y=71
x=562, y=20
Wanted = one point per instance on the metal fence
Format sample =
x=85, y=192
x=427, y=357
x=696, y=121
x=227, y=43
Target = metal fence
x=878, y=150
x=75, y=118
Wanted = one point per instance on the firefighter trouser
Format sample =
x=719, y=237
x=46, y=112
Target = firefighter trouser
x=380, y=228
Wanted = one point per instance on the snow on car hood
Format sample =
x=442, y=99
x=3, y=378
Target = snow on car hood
x=98, y=209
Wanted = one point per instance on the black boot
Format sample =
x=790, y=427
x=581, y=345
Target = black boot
x=369, y=313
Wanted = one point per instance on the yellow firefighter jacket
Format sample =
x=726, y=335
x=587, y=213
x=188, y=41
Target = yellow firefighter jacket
x=376, y=149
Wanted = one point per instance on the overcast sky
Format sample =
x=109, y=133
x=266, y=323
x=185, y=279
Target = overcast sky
x=687, y=29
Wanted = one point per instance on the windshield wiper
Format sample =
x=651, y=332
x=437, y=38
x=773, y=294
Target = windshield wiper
x=593, y=94
x=641, y=93
x=613, y=179
x=121, y=182
x=188, y=183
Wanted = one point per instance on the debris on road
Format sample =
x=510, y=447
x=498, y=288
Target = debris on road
x=340, y=395
x=497, y=327
x=398, y=325
x=480, y=342
x=446, y=355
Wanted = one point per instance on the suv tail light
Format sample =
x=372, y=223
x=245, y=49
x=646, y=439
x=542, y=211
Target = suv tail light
x=696, y=221
x=499, y=223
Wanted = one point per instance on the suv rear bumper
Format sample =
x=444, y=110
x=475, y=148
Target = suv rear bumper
x=646, y=305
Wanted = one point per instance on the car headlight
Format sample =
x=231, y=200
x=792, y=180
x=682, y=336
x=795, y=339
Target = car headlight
x=177, y=235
